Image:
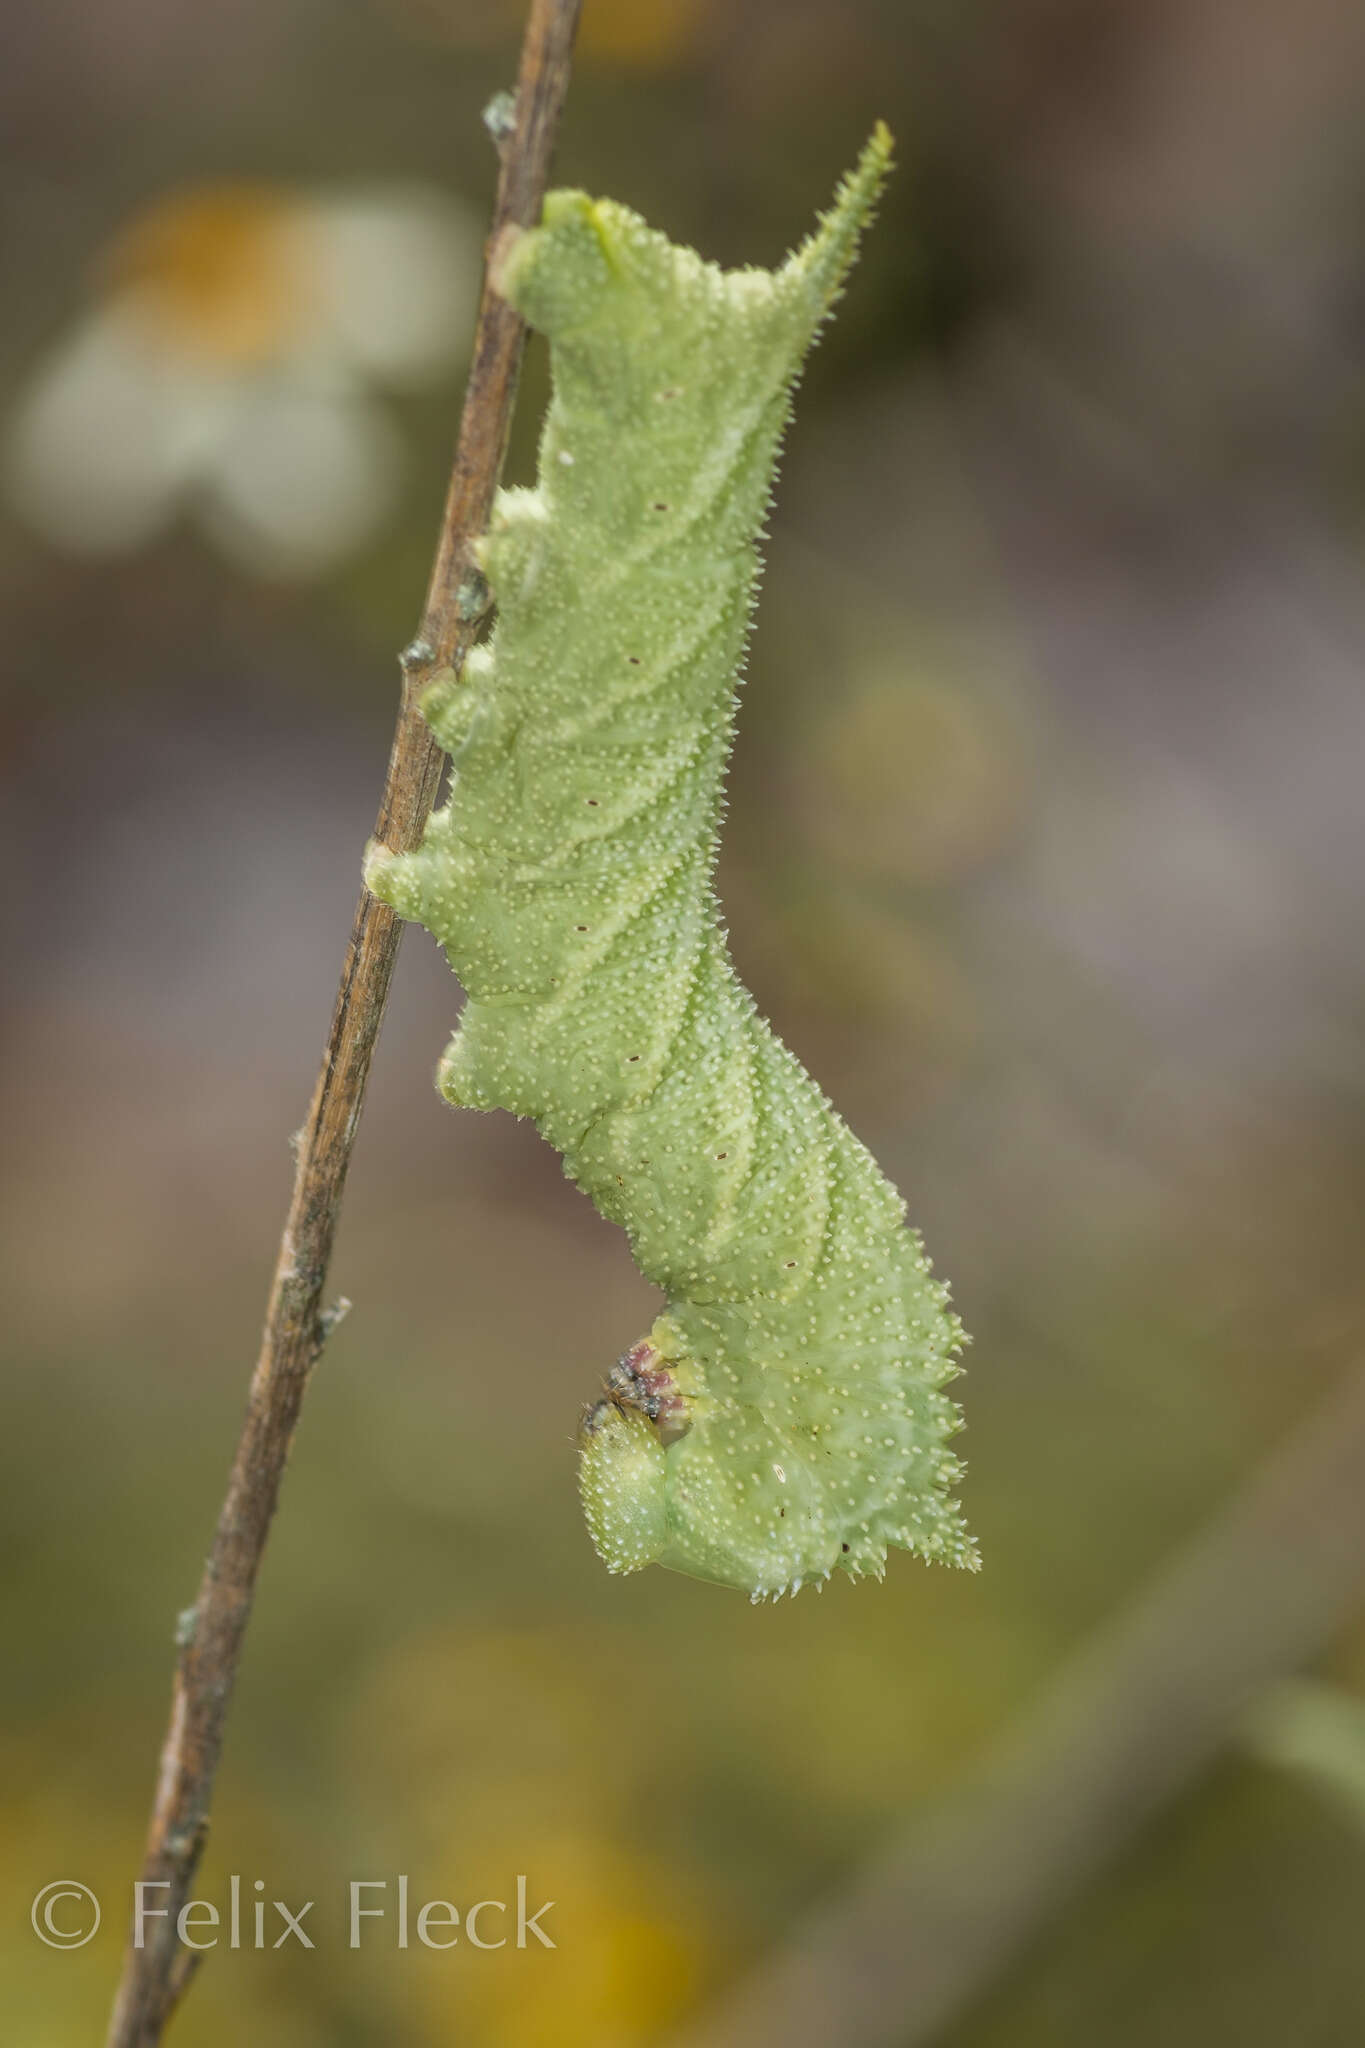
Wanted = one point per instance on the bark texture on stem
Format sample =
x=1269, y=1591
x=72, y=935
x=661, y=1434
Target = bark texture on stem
x=296, y=1325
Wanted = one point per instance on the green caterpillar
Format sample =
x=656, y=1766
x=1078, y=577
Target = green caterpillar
x=785, y=1417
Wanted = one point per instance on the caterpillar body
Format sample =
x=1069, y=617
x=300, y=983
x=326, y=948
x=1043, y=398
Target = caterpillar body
x=786, y=1415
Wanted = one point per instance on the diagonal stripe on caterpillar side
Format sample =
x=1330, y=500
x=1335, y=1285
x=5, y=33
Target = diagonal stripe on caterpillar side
x=786, y=1415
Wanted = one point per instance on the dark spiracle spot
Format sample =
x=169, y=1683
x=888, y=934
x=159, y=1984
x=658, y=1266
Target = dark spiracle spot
x=592, y=801
x=843, y=1546
x=789, y=1264
x=631, y=1058
x=580, y=927
x=722, y=1155
x=658, y=506
x=634, y=660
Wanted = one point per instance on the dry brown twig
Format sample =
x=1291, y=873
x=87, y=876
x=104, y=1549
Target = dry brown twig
x=155, y=1976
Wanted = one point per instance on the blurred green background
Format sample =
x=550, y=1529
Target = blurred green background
x=1046, y=853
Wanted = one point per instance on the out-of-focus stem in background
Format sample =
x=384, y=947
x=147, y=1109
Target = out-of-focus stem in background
x=928, y=1927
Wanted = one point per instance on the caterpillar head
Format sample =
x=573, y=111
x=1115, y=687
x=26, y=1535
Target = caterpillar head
x=623, y=1440
x=621, y=1481
x=660, y=1483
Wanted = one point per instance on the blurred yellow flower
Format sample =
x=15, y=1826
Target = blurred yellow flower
x=631, y=1953
x=912, y=779
x=863, y=976
x=487, y=1753
x=226, y=371
x=659, y=35
x=648, y=38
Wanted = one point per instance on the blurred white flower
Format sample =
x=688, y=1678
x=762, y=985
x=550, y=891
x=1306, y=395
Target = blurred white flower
x=227, y=370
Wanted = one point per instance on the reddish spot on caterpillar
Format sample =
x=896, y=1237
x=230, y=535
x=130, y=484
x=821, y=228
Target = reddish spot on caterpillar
x=658, y=506
x=634, y=660
x=640, y=1380
x=592, y=800
x=631, y=1058
x=722, y=1155
x=789, y=1263
x=580, y=927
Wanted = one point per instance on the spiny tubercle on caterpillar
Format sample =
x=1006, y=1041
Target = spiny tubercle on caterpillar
x=786, y=1415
